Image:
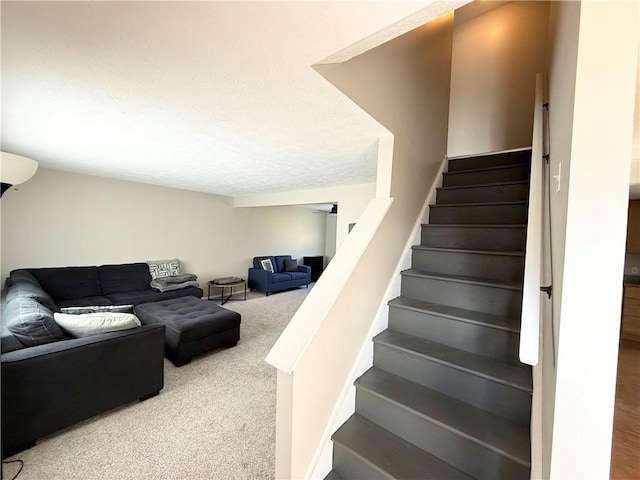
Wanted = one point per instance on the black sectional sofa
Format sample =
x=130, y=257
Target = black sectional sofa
x=50, y=380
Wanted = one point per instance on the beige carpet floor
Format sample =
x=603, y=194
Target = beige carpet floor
x=214, y=419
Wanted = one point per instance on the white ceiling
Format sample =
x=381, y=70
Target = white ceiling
x=218, y=97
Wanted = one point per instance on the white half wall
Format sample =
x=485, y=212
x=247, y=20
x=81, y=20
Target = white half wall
x=61, y=219
x=495, y=60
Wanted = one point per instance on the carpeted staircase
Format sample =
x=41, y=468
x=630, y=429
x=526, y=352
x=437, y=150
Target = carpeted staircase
x=447, y=396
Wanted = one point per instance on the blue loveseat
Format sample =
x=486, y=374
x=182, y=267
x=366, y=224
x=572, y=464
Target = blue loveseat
x=281, y=278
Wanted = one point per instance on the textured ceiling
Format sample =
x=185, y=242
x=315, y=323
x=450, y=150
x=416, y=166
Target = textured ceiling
x=217, y=97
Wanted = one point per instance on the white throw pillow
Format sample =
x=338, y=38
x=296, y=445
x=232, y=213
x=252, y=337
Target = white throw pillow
x=89, y=324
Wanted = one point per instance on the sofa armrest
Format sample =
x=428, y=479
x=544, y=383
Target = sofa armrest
x=50, y=387
x=259, y=279
x=305, y=269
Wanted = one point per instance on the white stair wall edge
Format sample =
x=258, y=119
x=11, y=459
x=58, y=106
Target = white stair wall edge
x=531, y=295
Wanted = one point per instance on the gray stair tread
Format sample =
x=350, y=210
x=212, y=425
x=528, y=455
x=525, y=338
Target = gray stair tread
x=478, y=204
x=467, y=250
x=517, y=376
x=464, y=279
x=484, y=185
x=492, y=431
x=462, y=314
x=474, y=225
x=333, y=475
x=484, y=169
x=390, y=454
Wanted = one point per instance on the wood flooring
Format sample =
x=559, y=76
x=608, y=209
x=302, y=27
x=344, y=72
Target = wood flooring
x=625, y=454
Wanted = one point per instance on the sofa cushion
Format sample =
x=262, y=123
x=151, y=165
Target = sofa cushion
x=125, y=277
x=150, y=295
x=32, y=323
x=25, y=289
x=67, y=283
x=163, y=268
x=298, y=275
x=17, y=276
x=279, y=265
x=89, y=324
x=82, y=302
x=280, y=277
x=8, y=342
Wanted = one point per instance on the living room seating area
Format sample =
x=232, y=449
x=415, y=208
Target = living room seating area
x=72, y=348
x=271, y=274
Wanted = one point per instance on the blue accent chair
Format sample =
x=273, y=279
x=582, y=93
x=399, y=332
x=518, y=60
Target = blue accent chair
x=265, y=281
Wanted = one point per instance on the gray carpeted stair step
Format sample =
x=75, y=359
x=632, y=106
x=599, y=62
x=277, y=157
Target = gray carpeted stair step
x=472, y=293
x=494, y=386
x=481, y=444
x=489, y=335
x=497, y=159
x=479, y=213
x=511, y=173
x=362, y=450
x=493, y=192
x=480, y=237
x=507, y=266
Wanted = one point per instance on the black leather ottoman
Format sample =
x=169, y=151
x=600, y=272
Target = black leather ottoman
x=192, y=326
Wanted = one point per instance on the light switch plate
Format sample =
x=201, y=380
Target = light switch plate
x=558, y=177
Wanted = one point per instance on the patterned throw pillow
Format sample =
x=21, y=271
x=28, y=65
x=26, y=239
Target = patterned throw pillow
x=266, y=264
x=164, y=268
x=97, y=309
x=291, y=265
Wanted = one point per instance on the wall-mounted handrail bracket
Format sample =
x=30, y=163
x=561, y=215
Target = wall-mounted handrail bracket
x=548, y=290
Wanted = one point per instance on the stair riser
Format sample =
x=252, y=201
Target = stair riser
x=498, y=301
x=494, y=267
x=498, y=193
x=478, y=214
x=510, y=174
x=460, y=452
x=490, y=342
x=486, y=161
x=510, y=402
x=349, y=465
x=494, y=239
